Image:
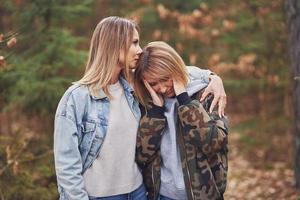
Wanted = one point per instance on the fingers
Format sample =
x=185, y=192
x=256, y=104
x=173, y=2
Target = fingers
x=157, y=99
x=221, y=111
x=214, y=103
x=216, y=87
x=221, y=106
x=204, y=94
x=149, y=88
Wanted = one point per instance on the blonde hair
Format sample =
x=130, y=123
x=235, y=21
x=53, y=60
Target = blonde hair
x=158, y=61
x=112, y=36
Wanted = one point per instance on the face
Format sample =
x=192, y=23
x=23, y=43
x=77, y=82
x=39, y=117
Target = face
x=163, y=87
x=133, y=52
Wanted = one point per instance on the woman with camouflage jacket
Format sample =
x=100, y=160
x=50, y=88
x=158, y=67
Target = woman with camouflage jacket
x=181, y=147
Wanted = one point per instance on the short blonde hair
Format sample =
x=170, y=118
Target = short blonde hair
x=158, y=61
x=112, y=36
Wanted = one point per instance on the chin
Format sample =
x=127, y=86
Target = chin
x=132, y=67
x=170, y=95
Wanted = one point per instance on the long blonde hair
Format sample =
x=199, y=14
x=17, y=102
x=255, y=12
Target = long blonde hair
x=112, y=36
x=159, y=61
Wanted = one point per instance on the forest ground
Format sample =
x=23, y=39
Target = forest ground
x=253, y=177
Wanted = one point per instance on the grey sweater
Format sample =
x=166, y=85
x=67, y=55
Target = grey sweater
x=115, y=171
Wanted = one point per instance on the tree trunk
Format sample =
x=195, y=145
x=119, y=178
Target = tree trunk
x=293, y=13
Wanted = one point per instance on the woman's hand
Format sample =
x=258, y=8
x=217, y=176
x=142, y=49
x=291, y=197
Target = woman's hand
x=216, y=87
x=156, y=98
x=178, y=87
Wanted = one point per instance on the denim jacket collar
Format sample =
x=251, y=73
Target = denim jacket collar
x=123, y=82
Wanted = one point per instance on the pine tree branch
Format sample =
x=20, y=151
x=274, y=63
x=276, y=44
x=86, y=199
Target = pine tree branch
x=7, y=38
x=18, y=154
x=37, y=157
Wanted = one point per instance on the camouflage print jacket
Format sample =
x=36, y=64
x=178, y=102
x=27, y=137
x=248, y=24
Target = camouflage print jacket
x=202, y=140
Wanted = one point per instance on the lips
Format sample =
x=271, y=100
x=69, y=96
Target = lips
x=169, y=93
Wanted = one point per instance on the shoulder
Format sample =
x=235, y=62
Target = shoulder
x=193, y=70
x=75, y=95
x=75, y=91
x=197, y=73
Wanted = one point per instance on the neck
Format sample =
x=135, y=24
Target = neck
x=115, y=76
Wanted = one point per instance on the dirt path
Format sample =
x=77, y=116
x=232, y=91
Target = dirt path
x=251, y=183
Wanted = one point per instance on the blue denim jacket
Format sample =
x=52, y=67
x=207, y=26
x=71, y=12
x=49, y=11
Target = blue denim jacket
x=81, y=122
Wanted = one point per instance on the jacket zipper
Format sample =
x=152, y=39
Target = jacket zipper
x=152, y=176
x=188, y=171
x=190, y=181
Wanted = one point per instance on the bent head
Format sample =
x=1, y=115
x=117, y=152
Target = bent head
x=115, y=43
x=159, y=64
x=128, y=58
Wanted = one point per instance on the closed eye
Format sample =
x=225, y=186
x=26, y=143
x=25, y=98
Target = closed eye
x=152, y=84
x=135, y=42
x=164, y=80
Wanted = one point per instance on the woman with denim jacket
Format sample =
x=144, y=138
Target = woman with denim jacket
x=97, y=119
x=181, y=146
x=100, y=112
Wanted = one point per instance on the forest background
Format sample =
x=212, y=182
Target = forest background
x=243, y=41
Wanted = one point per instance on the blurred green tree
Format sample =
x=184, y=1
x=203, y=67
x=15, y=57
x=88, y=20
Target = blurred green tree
x=47, y=58
x=45, y=61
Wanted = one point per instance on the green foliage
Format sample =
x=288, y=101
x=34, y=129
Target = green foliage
x=48, y=58
x=31, y=173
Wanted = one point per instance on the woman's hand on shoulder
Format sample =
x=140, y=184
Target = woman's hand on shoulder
x=216, y=88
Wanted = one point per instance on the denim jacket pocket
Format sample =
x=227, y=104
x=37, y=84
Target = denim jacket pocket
x=88, y=127
x=87, y=134
x=93, y=137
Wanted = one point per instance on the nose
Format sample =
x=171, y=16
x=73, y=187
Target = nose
x=139, y=50
x=162, y=89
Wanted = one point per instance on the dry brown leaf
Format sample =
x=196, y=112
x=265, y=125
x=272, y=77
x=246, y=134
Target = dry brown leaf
x=197, y=13
x=2, y=61
x=214, y=59
x=207, y=20
x=193, y=58
x=162, y=11
x=9, y=158
x=204, y=6
x=11, y=42
x=228, y=25
x=215, y=32
x=179, y=47
x=15, y=168
x=156, y=35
